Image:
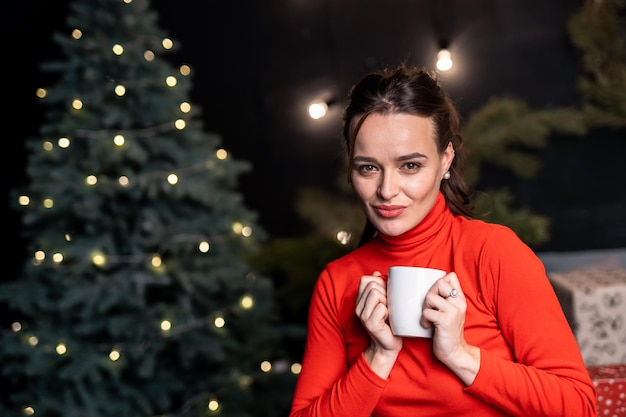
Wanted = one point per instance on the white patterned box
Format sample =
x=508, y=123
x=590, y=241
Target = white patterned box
x=594, y=302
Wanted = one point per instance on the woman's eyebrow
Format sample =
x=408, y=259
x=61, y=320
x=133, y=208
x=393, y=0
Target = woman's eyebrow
x=415, y=155
x=358, y=158
x=369, y=159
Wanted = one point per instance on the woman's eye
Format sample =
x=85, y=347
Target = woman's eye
x=366, y=168
x=412, y=166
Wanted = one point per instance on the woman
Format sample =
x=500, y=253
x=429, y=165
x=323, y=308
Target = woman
x=501, y=344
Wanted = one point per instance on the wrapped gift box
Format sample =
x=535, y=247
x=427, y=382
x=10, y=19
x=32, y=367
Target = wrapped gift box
x=610, y=382
x=594, y=302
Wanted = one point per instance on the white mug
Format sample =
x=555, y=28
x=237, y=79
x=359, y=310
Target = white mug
x=406, y=289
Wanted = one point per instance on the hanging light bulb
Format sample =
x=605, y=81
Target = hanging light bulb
x=318, y=110
x=444, y=57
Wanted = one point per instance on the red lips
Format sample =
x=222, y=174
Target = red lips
x=389, y=211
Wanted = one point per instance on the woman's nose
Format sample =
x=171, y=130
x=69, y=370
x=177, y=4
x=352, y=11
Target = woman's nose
x=388, y=186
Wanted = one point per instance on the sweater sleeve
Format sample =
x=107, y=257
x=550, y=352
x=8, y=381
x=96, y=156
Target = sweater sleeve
x=327, y=385
x=547, y=376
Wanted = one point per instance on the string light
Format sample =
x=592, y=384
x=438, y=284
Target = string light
x=98, y=259
x=63, y=143
x=114, y=355
x=167, y=43
x=266, y=366
x=344, y=237
x=156, y=261
x=185, y=70
x=203, y=246
x=185, y=107
x=444, y=60
x=318, y=110
x=221, y=154
x=295, y=368
x=247, y=302
x=180, y=124
x=213, y=405
x=119, y=140
x=171, y=81
x=172, y=179
x=61, y=349
x=237, y=227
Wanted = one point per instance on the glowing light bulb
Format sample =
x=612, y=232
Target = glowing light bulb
x=266, y=366
x=318, y=110
x=221, y=154
x=247, y=302
x=167, y=43
x=213, y=405
x=114, y=355
x=180, y=124
x=444, y=60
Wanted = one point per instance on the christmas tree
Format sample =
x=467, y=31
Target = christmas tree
x=136, y=299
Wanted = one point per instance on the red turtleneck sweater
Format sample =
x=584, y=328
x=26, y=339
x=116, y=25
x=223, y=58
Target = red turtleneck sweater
x=530, y=362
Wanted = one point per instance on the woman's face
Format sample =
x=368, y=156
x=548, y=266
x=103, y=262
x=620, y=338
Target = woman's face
x=397, y=170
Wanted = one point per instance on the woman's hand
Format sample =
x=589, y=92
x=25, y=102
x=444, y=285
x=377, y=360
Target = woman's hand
x=371, y=308
x=444, y=308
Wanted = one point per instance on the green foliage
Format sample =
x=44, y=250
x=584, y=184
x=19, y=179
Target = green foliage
x=116, y=229
x=506, y=133
x=496, y=205
x=597, y=31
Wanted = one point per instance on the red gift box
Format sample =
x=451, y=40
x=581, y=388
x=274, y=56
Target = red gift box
x=610, y=382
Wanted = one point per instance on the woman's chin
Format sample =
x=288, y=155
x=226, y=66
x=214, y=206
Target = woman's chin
x=391, y=228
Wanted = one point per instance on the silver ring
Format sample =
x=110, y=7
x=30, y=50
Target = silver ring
x=453, y=293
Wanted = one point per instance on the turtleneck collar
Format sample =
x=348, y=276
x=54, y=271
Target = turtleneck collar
x=428, y=231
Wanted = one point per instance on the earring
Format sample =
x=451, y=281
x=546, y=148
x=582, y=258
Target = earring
x=446, y=176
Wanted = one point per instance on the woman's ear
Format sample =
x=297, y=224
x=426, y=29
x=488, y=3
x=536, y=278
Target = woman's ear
x=448, y=156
